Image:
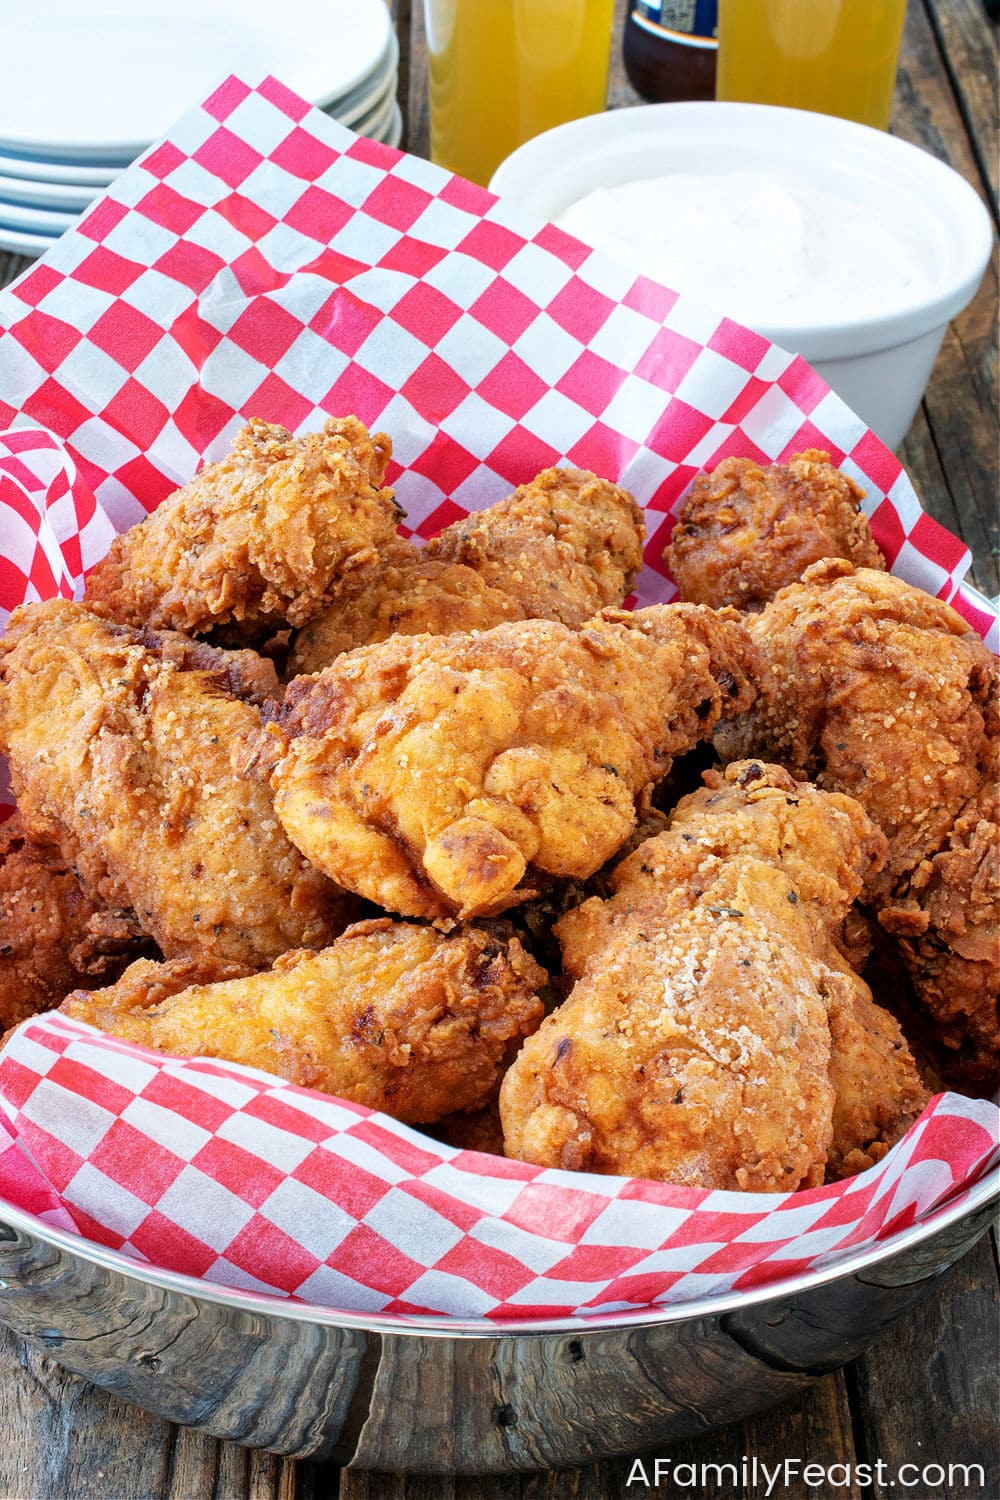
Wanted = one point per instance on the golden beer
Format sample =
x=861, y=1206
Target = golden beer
x=837, y=57
x=502, y=71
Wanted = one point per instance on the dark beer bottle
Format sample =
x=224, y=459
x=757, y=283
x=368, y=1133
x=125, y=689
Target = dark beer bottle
x=670, y=48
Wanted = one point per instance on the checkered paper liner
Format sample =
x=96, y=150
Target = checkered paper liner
x=263, y=261
x=230, y=1174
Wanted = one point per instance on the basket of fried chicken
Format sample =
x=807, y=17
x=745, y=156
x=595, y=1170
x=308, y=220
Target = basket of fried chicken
x=700, y=898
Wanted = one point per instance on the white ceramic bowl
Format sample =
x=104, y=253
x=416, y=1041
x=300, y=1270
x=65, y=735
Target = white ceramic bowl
x=879, y=365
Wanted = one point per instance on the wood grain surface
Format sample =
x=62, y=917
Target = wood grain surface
x=929, y=1391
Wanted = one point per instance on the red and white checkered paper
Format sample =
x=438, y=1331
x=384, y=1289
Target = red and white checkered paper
x=263, y=261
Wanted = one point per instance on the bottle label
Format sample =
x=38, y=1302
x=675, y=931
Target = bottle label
x=691, y=23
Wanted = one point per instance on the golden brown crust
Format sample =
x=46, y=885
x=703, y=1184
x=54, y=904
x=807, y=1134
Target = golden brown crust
x=874, y=688
x=391, y=1015
x=53, y=936
x=437, y=775
x=127, y=762
x=878, y=1092
x=407, y=592
x=560, y=548
x=698, y=1044
x=693, y=1048
x=743, y=532
x=564, y=546
x=259, y=539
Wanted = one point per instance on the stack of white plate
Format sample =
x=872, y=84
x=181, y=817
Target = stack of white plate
x=88, y=85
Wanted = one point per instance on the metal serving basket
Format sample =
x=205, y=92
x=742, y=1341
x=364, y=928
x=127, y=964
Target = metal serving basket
x=442, y=1395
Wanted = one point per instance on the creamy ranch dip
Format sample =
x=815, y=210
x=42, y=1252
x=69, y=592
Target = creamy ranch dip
x=769, y=249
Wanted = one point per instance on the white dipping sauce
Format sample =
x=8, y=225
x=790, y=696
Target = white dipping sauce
x=768, y=248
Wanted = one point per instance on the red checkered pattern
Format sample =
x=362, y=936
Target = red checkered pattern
x=265, y=262
x=51, y=528
x=230, y=1174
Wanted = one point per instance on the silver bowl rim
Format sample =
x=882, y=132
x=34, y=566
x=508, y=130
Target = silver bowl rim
x=443, y=1325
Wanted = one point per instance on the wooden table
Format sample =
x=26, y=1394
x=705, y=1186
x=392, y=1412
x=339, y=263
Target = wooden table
x=929, y=1392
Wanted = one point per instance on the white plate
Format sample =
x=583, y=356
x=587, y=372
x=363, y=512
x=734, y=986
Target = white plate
x=98, y=80
x=358, y=100
x=376, y=124
x=35, y=220
x=37, y=169
x=395, y=134
x=62, y=195
x=377, y=107
x=25, y=244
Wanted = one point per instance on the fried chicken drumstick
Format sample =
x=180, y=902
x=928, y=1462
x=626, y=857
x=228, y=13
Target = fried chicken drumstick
x=715, y=1035
x=391, y=1015
x=436, y=774
x=874, y=688
x=125, y=761
x=743, y=532
x=560, y=548
x=258, y=540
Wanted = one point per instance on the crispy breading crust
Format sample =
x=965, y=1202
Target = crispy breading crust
x=743, y=532
x=392, y=1015
x=259, y=539
x=560, y=548
x=699, y=1043
x=437, y=775
x=126, y=761
x=564, y=546
x=53, y=936
x=407, y=592
x=874, y=688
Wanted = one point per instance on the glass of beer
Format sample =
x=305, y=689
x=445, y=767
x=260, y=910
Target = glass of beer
x=836, y=57
x=502, y=71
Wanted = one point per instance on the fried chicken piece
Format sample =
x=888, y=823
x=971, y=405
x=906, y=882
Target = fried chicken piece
x=878, y=1090
x=407, y=592
x=743, y=532
x=240, y=673
x=560, y=548
x=564, y=546
x=437, y=775
x=697, y=1046
x=390, y=1015
x=873, y=688
x=259, y=539
x=53, y=936
x=947, y=923
x=127, y=763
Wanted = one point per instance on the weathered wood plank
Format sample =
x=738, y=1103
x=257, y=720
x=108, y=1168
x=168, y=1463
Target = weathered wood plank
x=814, y=1427
x=961, y=407
x=63, y=1439
x=968, y=42
x=929, y=1392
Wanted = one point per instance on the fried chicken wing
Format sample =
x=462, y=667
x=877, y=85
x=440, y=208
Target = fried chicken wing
x=874, y=688
x=391, y=1015
x=560, y=548
x=53, y=936
x=437, y=775
x=126, y=762
x=259, y=539
x=743, y=532
x=697, y=1044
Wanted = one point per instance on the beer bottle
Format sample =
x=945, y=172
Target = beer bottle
x=670, y=48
